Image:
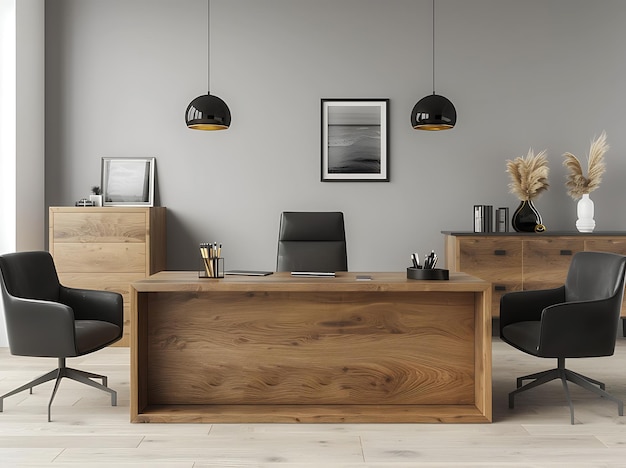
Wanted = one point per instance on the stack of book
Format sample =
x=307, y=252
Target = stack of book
x=483, y=218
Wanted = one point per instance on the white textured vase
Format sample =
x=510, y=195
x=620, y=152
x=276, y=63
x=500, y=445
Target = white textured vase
x=585, y=211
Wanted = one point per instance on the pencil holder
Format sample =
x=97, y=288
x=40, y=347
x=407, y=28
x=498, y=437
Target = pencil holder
x=427, y=274
x=212, y=268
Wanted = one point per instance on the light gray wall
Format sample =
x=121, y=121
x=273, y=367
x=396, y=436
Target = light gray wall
x=546, y=74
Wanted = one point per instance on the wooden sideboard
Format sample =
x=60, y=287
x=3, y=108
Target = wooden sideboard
x=286, y=349
x=107, y=248
x=517, y=261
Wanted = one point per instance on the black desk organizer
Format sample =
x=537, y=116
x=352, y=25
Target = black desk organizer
x=427, y=274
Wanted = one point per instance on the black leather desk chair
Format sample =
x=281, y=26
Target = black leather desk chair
x=46, y=319
x=312, y=241
x=579, y=319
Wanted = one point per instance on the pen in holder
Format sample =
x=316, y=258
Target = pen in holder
x=212, y=261
x=428, y=270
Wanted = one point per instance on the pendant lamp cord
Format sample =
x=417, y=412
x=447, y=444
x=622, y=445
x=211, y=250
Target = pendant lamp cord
x=433, y=47
x=208, y=28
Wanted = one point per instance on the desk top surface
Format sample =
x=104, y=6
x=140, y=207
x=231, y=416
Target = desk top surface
x=173, y=281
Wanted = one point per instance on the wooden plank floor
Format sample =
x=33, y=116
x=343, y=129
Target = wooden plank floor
x=87, y=431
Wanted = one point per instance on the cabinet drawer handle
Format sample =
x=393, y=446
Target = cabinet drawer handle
x=566, y=252
x=499, y=287
x=499, y=252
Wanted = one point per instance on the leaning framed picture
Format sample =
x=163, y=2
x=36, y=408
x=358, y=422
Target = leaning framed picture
x=128, y=181
x=355, y=145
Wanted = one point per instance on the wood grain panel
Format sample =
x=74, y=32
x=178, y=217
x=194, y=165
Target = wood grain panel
x=496, y=260
x=99, y=226
x=100, y=257
x=126, y=333
x=156, y=242
x=606, y=244
x=188, y=281
x=482, y=353
x=251, y=414
x=546, y=261
x=332, y=348
x=116, y=282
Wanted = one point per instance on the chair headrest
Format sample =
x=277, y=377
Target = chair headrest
x=30, y=275
x=312, y=226
x=595, y=276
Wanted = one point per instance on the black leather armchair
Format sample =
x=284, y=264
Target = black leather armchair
x=312, y=241
x=46, y=319
x=579, y=319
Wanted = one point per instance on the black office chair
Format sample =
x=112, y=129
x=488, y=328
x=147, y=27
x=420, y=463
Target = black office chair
x=312, y=241
x=579, y=319
x=46, y=319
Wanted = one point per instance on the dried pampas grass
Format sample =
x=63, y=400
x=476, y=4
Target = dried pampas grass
x=529, y=175
x=577, y=184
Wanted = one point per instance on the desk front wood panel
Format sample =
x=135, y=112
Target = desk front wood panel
x=331, y=348
x=300, y=356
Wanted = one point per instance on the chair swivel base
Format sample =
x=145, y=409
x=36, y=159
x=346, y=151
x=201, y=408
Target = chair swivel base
x=59, y=373
x=565, y=375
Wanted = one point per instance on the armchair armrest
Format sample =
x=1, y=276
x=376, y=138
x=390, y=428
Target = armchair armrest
x=39, y=328
x=522, y=306
x=89, y=304
x=582, y=329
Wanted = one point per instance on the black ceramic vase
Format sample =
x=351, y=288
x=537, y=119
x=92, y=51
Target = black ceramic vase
x=526, y=218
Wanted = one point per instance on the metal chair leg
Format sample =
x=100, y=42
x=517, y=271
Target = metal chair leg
x=29, y=386
x=587, y=383
x=565, y=375
x=567, y=395
x=57, y=374
x=588, y=379
x=54, y=391
x=85, y=378
x=545, y=377
x=535, y=376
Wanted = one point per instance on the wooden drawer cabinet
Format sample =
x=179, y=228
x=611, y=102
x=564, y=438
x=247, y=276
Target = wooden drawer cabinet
x=615, y=244
x=107, y=248
x=545, y=262
x=518, y=261
x=494, y=260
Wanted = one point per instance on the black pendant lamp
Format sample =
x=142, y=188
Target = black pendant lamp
x=208, y=112
x=433, y=112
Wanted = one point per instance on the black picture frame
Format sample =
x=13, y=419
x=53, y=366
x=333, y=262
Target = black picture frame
x=355, y=143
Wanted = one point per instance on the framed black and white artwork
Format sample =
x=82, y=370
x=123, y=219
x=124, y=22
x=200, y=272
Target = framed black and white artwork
x=128, y=181
x=355, y=146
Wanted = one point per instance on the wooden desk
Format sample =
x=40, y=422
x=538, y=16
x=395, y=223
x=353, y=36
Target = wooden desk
x=285, y=349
